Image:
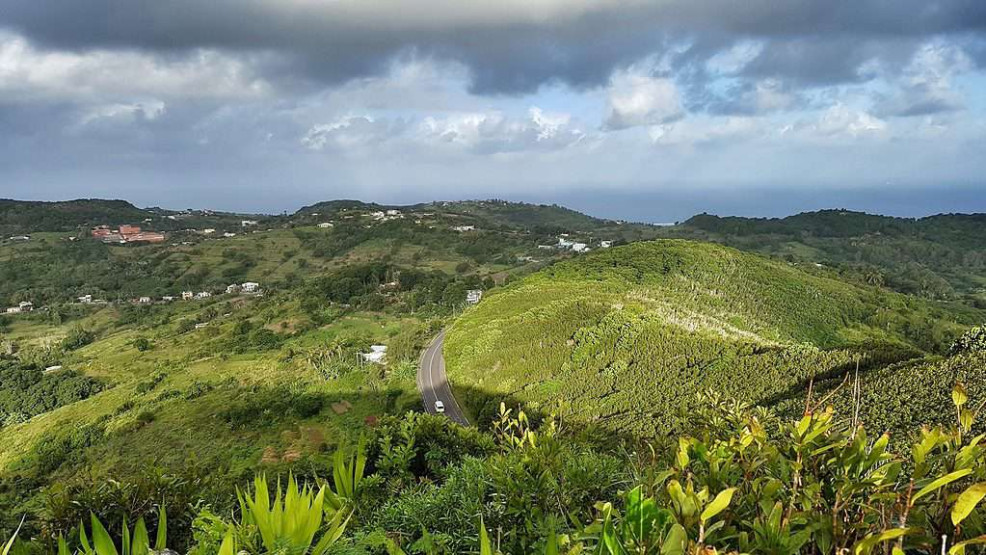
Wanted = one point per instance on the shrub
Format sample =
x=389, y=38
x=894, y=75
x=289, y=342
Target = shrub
x=77, y=338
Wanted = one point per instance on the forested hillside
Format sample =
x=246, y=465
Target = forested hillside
x=121, y=400
x=18, y=217
x=938, y=257
x=626, y=338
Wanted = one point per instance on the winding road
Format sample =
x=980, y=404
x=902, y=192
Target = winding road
x=433, y=383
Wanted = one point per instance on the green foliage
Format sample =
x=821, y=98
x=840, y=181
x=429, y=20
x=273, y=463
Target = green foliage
x=973, y=341
x=142, y=344
x=26, y=391
x=813, y=483
x=625, y=337
x=5, y=548
x=77, y=338
x=937, y=257
x=289, y=523
x=132, y=542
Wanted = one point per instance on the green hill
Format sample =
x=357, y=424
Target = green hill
x=17, y=217
x=626, y=337
x=939, y=257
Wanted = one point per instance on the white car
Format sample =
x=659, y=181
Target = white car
x=439, y=407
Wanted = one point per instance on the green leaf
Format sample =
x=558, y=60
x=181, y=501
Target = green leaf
x=718, y=504
x=959, y=396
x=959, y=548
x=228, y=547
x=101, y=539
x=162, y=531
x=967, y=502
x=485, y=547
x=940, y=482
x=125, y=544
x=10, y=543
x=141, y=542
x=676, y=542
x=866, y=545
x=63, y=546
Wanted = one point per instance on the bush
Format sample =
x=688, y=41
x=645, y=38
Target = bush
x=77, y=338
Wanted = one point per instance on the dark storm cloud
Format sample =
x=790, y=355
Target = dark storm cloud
x=508, y=49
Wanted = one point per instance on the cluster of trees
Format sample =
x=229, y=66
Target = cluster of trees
x=26, y=391
x=376, y=286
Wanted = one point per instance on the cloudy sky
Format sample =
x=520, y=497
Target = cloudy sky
x=651, y=109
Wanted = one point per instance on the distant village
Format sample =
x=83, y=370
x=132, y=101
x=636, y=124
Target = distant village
x=135, y=234
x=126, y=234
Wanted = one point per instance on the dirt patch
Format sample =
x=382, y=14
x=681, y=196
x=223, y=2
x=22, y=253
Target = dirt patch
x=342, y=407
x=270, y=456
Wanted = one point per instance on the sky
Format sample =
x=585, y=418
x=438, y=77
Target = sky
x=641, y=109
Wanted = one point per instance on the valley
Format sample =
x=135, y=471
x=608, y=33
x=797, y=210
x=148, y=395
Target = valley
x=582, y=355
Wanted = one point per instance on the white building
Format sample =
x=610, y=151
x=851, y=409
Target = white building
x=580, y=247
x=228, y=235
x=376, y=354
x=325, y=225
x=393, y=213
x=248, y=223
x=167, y=298
x=208, y=231
x=250, y=287
x=187, y=295
x=461, y=228
x=144, y=300
x=26, y=306
x=473, y=296
x=232, y=288
x=605, y=244
x=85, y=299
x=203, y=295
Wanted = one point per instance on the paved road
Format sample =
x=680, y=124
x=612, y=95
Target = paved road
x=433, y=384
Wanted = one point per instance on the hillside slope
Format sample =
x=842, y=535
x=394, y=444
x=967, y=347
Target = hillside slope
x=940, y=257
x=28, y=217
x=626, y=337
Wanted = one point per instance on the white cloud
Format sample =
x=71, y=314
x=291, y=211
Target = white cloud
x=638, y=99
x=926, y=84
x=490, y=132
x=350, y=132
x=735, y=58
x=841, y=120
x=30, y=74
x=705, y=129
x=124, y=113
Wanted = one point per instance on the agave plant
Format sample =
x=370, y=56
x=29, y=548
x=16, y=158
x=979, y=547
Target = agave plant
x=290, y=523
x=346, y=477
x=133, y=542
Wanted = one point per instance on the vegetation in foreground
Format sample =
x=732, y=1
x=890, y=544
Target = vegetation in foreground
x=741, y=480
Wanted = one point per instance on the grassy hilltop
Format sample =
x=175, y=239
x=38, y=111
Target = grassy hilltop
x=626, y=337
